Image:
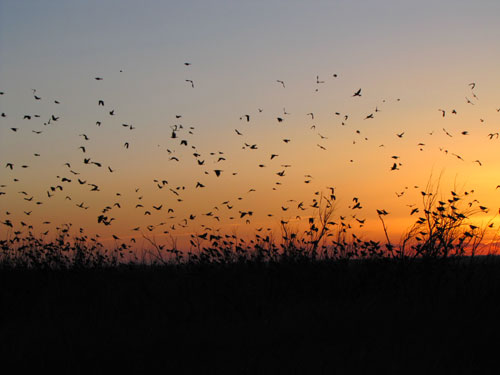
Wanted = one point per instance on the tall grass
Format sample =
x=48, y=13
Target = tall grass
x=443, y=230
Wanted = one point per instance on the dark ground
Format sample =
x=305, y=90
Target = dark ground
x=316, y=318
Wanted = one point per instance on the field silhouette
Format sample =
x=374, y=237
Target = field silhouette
x=321, y=301
x=296, y=316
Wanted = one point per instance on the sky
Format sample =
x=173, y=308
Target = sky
x=410, y=59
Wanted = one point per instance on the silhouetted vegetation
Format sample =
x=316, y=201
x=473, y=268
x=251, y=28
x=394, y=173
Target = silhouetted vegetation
x=319, y=301
x=443, y=230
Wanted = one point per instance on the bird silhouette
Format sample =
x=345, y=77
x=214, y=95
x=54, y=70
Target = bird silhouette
x=446, y=132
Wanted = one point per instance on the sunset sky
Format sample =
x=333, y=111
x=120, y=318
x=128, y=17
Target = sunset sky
x=410, y=59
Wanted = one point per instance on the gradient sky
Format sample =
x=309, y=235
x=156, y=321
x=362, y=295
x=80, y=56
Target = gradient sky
x=423, y=53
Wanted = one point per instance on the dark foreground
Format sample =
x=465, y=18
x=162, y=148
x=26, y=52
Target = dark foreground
x=317, y=318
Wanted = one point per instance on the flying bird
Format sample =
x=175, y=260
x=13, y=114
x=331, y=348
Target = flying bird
x=448, y=134
x=491, y=135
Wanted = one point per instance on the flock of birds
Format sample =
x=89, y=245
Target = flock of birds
x=174, y=218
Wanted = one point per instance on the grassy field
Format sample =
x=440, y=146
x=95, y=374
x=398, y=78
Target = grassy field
x=320, y=302
x=250, y=318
